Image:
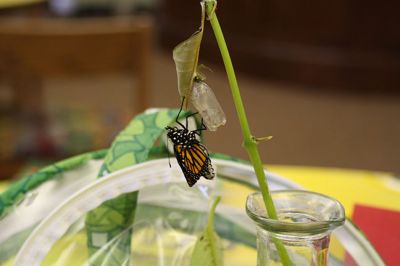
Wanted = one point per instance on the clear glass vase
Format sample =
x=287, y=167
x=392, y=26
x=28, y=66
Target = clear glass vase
x=302, y=232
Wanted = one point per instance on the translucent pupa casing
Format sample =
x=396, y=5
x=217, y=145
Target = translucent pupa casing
x=204, y=101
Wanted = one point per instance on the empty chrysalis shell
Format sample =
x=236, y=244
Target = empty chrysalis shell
x=205, y=102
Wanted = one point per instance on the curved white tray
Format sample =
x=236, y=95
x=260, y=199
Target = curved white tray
x=158, y=172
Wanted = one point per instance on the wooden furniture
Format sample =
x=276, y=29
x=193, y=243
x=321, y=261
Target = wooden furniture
x=35, y=48
x=32, y=49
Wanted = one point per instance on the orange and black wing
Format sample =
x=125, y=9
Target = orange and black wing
x=194, y=162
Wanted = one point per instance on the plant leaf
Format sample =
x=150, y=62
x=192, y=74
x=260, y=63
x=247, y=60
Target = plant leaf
x=208, y=248
x=186, y=57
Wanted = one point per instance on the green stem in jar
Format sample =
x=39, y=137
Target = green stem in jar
x=250, y=143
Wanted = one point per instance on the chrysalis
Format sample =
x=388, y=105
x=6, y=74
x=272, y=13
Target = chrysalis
x=205, y=102
x=186, y=57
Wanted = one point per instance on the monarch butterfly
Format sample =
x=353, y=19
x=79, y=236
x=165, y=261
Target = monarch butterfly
x=192, y=156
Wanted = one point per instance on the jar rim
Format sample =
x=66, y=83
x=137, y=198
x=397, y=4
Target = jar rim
x=309, y=227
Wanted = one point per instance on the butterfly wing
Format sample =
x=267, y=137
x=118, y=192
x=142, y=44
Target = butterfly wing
x=194, y=162
x=201, y=161
x=180, y=155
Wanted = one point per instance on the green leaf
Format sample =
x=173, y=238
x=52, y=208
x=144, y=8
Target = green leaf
x=186, y=57
x=208, y=248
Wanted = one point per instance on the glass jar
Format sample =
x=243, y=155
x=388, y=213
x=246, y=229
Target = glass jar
x=302, y=232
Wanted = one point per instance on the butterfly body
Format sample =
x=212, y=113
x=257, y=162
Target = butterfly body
x=192, y=156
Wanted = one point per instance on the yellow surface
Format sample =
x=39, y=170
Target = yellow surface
x=350, y=187
x=235, y=194
x=16, y=3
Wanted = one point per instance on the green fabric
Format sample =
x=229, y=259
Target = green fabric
x=108, y=226
x=16, y=192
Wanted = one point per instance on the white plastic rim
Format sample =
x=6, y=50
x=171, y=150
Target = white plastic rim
x=157, y=172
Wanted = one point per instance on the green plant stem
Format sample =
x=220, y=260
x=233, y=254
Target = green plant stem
x=210, y=222
x=249, y=143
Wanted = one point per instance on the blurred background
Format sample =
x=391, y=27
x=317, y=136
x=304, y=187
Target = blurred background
x=321, y=77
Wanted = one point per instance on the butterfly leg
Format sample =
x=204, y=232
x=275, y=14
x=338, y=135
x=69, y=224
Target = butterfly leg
x=169, y=161
x=192, y=114
x=180, y=110
x=203, y=127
